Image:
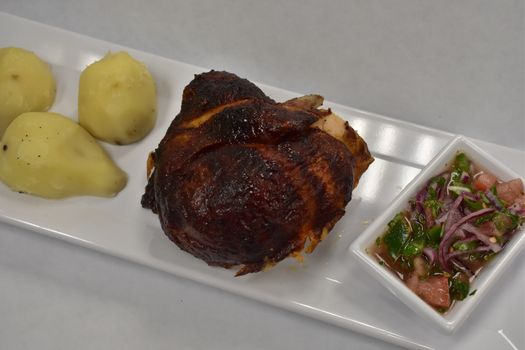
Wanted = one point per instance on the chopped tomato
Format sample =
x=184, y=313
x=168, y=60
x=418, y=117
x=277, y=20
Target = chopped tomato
x=510, y=190
x=517, y=185
x=434, y=291
x=484, y=181
x=488, y=229
x=520, y=201
x=412, y=282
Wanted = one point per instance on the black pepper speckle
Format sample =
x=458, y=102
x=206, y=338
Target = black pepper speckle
x=4, y=147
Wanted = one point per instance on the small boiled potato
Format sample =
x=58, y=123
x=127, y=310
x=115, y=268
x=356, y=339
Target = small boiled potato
x=49, y=155
x=26, y=85
x=117, y=99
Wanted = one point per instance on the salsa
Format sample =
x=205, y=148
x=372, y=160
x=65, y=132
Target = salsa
x=453, y=227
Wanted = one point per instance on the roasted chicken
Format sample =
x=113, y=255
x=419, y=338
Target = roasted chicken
x=241, y=180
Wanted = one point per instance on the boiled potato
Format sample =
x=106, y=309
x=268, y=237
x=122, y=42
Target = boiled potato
x=26, y=85
x=49, y=155
x=117, y=99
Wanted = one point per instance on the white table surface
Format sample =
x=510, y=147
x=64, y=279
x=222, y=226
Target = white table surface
x=455, y=66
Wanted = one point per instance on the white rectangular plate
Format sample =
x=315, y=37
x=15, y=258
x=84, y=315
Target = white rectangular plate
x=329, y=286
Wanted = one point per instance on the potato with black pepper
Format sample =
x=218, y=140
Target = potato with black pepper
x=49, y=155
x=117, y=99
x=26, y=84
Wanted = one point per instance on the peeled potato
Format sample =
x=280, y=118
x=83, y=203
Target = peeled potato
x=49, y=155
x=26, y=84
x=117, y=99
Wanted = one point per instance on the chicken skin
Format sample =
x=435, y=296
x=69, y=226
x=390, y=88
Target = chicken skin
x=240, y=180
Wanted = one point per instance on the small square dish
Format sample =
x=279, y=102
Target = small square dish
x=449, y=235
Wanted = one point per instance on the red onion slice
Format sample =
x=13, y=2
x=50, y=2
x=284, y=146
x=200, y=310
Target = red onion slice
x=480, y=236
x=465, y=177
x=471, y=196
x=431, y=254
x=453, y=213
x=493, y=199
x=461, y=267
x=442, y=218
x=445, y=244
x=467, y=252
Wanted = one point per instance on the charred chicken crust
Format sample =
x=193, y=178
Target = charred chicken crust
x=240, y=180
